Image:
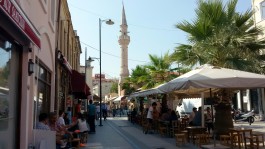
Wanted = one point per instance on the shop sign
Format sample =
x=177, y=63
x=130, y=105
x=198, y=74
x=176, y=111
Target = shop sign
x=19, y=19
x=67, y=65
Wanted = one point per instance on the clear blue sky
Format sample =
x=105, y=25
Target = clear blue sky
x=151, y=26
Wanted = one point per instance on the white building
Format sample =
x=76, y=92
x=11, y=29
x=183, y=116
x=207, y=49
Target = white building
x=258, y=6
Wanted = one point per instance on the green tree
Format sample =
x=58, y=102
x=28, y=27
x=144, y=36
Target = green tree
x=159, y=68
x=222, y=37
x=156, y=72
x=139, y=78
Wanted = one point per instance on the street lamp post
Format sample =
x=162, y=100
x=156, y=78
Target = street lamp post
x=109, y=22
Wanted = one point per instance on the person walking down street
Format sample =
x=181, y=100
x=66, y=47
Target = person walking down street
x=91, y=116
x=150, y=115
x=104, y=111
x=98, y=111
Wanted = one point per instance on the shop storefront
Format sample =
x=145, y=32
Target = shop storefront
x=16, y=38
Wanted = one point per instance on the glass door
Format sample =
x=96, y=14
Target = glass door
x=9, y=81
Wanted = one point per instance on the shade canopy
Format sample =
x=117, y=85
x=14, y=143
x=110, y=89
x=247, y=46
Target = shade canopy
x=118, y=99
x=207, y=76
x=79, y=87
x=147, y=92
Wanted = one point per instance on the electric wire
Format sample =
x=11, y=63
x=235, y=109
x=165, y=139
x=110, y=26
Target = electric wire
x=135, y=25
x=109, y=53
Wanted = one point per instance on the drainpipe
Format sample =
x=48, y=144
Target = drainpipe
x=56, y=56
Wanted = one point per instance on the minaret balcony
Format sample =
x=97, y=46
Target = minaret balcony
x=124, y=37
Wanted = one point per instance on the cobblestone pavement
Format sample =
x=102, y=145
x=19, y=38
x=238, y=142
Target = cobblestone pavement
x=119, y=133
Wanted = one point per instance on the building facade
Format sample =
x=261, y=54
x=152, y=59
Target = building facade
x=37, y=57
x=68, y=50
x=27, y=47
x=106, y=85
x=258, y=6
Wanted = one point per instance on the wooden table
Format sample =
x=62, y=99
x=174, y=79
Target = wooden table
x=242, y=131
x=193, y=130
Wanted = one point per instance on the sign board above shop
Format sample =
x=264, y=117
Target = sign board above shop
x=16, y=15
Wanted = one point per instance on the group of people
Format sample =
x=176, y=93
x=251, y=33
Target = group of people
x=195, y=118
x=64, y=131
x=56, y=123
x=154, y=113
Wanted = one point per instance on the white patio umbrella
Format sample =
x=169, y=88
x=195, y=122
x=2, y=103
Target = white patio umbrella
x=208, y=76
x=147, y=92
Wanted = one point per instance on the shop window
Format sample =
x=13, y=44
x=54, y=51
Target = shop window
x=42, y=99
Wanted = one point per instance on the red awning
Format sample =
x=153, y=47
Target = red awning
x=79, y=87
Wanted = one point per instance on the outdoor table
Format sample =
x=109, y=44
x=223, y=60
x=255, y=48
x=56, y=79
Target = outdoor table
x=193, y=130
x=242, y=131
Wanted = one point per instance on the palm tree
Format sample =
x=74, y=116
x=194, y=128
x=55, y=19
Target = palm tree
x=222, y=37
x=152, y=74
x=159, y=68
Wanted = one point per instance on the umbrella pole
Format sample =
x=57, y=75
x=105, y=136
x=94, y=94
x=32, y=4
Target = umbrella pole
x=202, y=108
x=214, y=143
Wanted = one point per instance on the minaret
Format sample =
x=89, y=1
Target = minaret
x=124, y=41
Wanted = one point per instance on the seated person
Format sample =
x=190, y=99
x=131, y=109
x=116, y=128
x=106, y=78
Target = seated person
x=43, y=122
x=197, y=121
x=61, y=133
x=166, y=115
x=81, y=122
x=61, y=122
x=192, y=115
x=173, y=116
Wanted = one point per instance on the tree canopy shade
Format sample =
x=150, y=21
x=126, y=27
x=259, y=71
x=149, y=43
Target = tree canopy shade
x=222, y=37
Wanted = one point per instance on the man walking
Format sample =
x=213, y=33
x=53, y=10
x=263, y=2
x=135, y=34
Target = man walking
x=91, y=116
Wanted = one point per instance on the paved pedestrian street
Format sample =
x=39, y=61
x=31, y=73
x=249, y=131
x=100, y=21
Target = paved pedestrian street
x=119, y=133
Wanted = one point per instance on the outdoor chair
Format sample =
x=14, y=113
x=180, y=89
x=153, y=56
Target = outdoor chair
x=162, y=129
x=258, y=138
x=236, y=139
x=174, y=128
x=180, y=138
x=202, y=139
x=225, y=139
